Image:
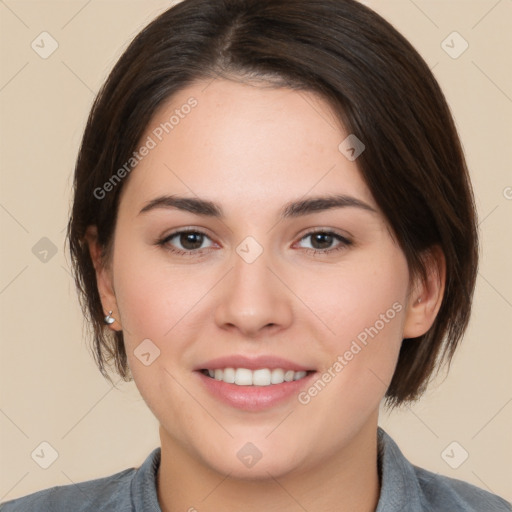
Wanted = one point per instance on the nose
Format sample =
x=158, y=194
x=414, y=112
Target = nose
x=253, y=301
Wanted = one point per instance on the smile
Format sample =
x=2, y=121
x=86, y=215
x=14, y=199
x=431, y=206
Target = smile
x=258, y=377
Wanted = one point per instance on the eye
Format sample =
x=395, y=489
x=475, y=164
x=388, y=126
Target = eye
x=191, y=242
x=322, y=241
x=185, y=242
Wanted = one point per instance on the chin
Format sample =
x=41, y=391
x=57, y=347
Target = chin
x=265, y=468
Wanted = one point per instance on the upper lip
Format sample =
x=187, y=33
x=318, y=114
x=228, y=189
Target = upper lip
x=252, y=363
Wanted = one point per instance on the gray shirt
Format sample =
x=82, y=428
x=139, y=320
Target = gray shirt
x=404, y=487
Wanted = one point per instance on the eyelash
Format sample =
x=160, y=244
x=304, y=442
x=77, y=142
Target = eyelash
x=194, y=252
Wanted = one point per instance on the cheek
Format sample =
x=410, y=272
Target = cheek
x=160, y=303
x=153, y=303
x=364, y=312
x=151, y=296
x=365, y=295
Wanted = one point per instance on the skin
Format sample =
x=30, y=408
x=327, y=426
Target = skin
x=251, y=149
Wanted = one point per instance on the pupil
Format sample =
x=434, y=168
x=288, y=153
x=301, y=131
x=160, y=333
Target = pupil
x=191, y=240
x=324, y=239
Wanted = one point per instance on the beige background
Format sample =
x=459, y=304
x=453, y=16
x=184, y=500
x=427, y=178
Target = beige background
x=50, y=388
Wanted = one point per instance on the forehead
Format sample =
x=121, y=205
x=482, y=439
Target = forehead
x=244, y=143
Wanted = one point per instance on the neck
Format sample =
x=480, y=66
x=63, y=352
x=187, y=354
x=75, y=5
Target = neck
x=347, y=481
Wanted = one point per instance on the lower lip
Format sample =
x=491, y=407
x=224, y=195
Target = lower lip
x=254, y=398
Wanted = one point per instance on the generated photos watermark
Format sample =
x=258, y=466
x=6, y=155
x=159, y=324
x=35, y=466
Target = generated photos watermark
x=150, y=143
x=355, y=348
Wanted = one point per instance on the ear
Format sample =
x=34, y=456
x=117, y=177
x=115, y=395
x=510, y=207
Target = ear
x=426, y=296
x=104, y=279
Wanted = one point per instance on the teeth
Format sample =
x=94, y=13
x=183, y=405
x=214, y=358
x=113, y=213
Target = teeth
x=288, y=376
x=243, y=377
x=260, y=377
x=277, y=376
x=228, y=375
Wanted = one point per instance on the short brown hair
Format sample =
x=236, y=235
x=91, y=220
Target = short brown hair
x=376, y=82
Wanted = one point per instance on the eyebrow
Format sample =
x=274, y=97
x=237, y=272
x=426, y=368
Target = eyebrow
x=290, y=210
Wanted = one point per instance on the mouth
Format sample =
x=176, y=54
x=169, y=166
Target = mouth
x=253, y=384
x=257, y=377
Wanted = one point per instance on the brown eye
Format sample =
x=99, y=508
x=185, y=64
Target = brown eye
x=325, y=241
x=321, y=240
x=187, y=242
x=191, y=241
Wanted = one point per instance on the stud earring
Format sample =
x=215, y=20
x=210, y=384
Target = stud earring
x=419, y=300
x=109, y=319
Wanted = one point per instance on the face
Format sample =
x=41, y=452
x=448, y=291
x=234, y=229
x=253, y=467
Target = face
x=301, y=302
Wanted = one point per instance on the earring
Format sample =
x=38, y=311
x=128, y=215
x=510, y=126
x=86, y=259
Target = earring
x=109, y=319
x=419, y=300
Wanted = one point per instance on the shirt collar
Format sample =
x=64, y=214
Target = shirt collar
x=399, y=486
x=144, y=484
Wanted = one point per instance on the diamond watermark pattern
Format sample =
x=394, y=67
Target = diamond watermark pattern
x=44, y=45
x=351, y=147
x=146, y=352
x=249, y=249
x=454, y=455
x=44, y=250
x=44, y=455
x=454, y=45
x=249, y=455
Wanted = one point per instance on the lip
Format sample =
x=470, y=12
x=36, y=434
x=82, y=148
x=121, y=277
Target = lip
x=252, y=363
x=254, y=398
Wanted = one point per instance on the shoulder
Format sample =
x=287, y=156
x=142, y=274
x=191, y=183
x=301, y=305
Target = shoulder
x=99, y=494
x=126, y=491
x=408, y=487
x=444, y=493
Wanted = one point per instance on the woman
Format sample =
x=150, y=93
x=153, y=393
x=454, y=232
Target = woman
x=273, y=229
